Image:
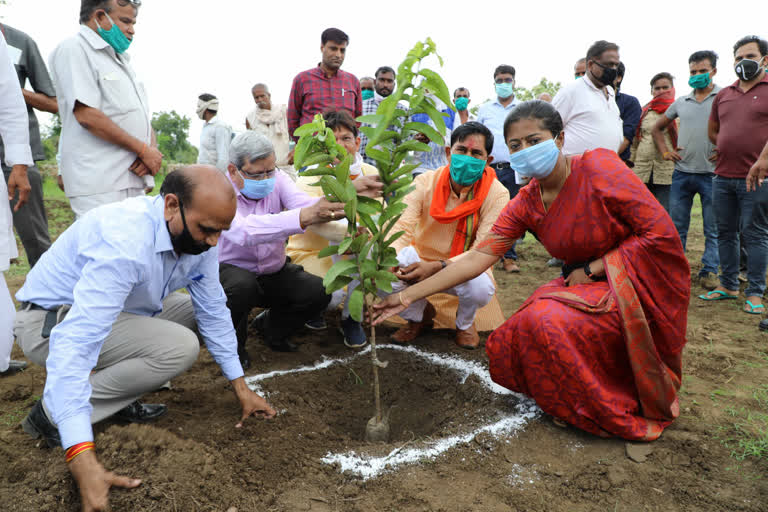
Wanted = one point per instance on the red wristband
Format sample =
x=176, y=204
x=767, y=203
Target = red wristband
x=75, y=450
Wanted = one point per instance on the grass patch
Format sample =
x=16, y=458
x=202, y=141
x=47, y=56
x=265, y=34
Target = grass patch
x=747, y=435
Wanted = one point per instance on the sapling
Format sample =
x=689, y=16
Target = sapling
x=367, y=246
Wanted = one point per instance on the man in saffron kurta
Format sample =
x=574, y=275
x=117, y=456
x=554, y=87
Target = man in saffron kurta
x=444, y=220
x=604, y=356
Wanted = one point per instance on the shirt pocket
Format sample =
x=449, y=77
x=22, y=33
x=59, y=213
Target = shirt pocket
x=118, y=93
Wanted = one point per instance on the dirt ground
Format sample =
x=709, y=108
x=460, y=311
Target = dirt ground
x=713, y=458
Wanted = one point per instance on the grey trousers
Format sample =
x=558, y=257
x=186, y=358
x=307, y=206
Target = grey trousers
x=30, y=221
x=139, y=355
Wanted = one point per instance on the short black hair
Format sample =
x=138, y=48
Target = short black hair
x=384, y=69
x=621, y=69
x=179, y=183
x=662, y=75
x=340, y=119
x=335, y=35
x=761, y=43
x=704, y=55
x=460, y=89
x=542, y=111
x=206, y=97
x=88, y=7
x=504, y=68
x=472, y=128
x=600, y=47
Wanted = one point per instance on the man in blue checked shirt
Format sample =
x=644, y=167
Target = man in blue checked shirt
x=101, y=312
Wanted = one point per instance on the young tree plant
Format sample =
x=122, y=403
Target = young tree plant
x=368, y=243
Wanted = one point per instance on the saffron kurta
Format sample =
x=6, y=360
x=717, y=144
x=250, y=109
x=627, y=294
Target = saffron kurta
x=603, y=356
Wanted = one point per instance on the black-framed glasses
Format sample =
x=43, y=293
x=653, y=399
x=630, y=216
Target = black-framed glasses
x=258, y=176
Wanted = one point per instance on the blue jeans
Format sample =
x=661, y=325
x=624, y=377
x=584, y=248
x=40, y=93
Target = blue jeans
x=507, y=178
x=685, y=186
x=738, y=211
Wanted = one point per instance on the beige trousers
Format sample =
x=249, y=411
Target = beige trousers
x=139, y=355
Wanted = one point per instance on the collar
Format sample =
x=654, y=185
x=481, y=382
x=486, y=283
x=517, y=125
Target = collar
x=764, y=80
x=214, y=119
x=321, y=73
x=591, y=85
x=513, y=103
x=713, y=92
x=162, y=236
x=94, y=39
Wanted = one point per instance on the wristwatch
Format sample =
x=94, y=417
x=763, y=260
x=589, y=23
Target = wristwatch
x=589, y=273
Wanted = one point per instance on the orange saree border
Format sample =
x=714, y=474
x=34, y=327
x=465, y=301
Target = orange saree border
x=656, y=383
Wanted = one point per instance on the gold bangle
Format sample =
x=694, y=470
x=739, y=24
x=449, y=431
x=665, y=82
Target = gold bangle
x=143, y=150
x=664, y=155
x=400, y=298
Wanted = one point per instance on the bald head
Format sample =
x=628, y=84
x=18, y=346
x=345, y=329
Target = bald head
x=207, y=199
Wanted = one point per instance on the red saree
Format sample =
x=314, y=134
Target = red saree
x=604, y=356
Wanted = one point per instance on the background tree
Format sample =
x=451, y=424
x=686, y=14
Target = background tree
x=544, y=85
x=172, y=131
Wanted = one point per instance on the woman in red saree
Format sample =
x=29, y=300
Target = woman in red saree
x=600, y=347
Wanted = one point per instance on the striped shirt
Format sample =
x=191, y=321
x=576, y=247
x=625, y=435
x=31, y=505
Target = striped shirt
x=312, y=93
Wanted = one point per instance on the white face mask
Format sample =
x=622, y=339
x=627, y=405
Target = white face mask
x=356, y=167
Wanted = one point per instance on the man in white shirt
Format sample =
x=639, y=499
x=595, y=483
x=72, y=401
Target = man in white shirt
x=215, y=137
x=14, y=131
x=270, y=120
x=588, y=105
x=108, y=149
x=461, y=101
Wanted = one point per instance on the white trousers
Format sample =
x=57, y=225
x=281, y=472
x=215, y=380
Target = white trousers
x=83, y=204
x=472, y=294
x=7, y=316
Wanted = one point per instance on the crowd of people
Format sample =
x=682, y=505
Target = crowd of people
x=604, y=184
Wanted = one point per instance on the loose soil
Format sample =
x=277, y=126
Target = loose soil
x=194, y=459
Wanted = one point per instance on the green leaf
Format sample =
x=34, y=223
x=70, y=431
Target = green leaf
x=436, y=84
x=334, y=187
x=301, y=151
x=396, y=185
x=341, y=267
x=344, y=245
x=368, y=206
x=337, y=284
x=413, y=145
x=435, y=115
x=319, y=159
x=356, y=304
x=404, y=170
x=427, y=130
x=389, y=241
x=393, y=210
x=358, y=243
x=350, y=209
x=368, y=222
x=377, y=154
x=384, y=285
x=318, y=171
x=372, y=119
x=390, y=261
x=306, y=129
x=341, y=170
x=328, y=251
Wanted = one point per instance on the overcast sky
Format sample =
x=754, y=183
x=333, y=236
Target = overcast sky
x=183, y=48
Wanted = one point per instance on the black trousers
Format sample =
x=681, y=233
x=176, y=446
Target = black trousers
x=30, y=221
x=292, y=295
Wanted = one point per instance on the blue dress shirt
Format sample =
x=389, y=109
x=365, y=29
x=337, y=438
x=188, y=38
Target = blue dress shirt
x=492, y=115
x=116, y=258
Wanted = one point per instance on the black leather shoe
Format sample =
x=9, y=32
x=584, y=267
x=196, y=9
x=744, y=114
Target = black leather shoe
x=37, y=425
x=13, y=367
x=138, y=412
x=260, y=324
x=281, y=346
x=764, y=324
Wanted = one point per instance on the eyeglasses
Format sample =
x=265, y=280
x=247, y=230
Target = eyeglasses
x=135, y=3
x=258, y=176
x=504, y=80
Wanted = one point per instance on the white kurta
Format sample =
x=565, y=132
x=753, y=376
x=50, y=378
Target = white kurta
x=14, y=130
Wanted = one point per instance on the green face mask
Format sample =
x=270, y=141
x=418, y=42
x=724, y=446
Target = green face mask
x=466, y=170
x=700, y=81
x=367, y=94
x=461, y=103
x=114, y=36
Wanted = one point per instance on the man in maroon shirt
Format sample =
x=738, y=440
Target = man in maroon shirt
x=738, y=126
x=325, y=86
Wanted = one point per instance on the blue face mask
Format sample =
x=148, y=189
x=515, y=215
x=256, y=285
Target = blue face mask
x=367, y=94
x=505, y=90
x=536, y=161
x=256, y=190
x=114, y=36
x=466, y=170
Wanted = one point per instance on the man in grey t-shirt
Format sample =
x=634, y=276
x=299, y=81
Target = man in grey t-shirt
x=694, y=159
x=31, y=222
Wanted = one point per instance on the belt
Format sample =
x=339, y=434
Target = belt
x=500, y=165
x=32, y=306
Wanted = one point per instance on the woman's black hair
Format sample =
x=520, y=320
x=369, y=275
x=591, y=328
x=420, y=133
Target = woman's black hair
x=544, y=112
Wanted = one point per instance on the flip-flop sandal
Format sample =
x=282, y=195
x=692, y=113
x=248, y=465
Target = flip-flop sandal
x=721, y=295
x=753, y=308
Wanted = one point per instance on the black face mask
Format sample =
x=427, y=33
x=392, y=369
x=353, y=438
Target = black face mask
x=609, y=74
x=747, y=69
x=183, y=243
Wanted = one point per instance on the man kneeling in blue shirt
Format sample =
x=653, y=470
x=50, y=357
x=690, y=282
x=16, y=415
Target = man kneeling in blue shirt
x=100, y=311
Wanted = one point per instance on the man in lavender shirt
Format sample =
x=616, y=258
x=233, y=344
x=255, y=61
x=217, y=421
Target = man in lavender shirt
x=253, y=267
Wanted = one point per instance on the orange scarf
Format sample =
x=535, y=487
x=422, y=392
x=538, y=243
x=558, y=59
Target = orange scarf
x=466, y=213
